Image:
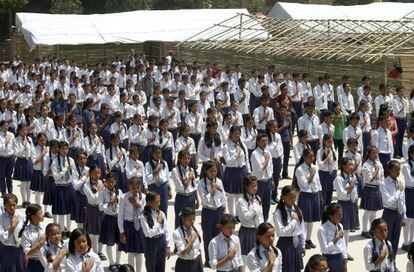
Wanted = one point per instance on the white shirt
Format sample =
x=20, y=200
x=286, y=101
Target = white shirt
x=292, y=228
x=21, y=150
x=37, y=152
x=408, y=177
x=248, y=137
x=295, y=91
x=327, y=165
x=368, y=252
x=346, y=100
x=175, y=117
x=127, y=212
x=180, y=174
x=242, y=97
x=120, y=129
x=91, y=192
x=341, y=183
x=380, y=100
x=113, y=160
x=365, y=121
x=275, y=146
x=209, y=201
x=367, y=98
x=392, y=197
x=399, y=107
x=323, y=129
x=58, y=133
x=74, y=263
x=94, y=146
x=326, y=234
x=105, y=198
x=75, y=134
x=195, y=122
x=53, y=250
x=353, y=132
x=234, y=155
x=260, y=171
x=208, y=153
x=136, y=135
x=382, y=139
x=310, y=124
x=406, y=146
x=298, y=150
x=259, y=113
x=132, y=171
x=181, y=144
x=162, y=177
x=157, y=228
x=249, y=211
x=368, y=170
x=63, y=171
x=321, y=101
x=254, y=264
x=5, y=222
x=302, y=173
x=355, y=156
x=31, y=237
x=218, y=249
x=181, y=237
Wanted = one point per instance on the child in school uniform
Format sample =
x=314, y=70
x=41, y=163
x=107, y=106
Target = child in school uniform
x=136, y=133
x=194, y=120
x=185, y=182
x=310, y=122
x=108, y=204
x=265, y=256
x=408, y=174
x=75, y=137
x=132, y=239
x=157, y=238
x=185, y=142
x=346, y=189
x=81, y=258
x=372, y=176
x=364, y=124
x=53, y=253
x=92, y=188
x=120, y=128
x=275, y=148
x=150, y=133
x=289, y=226
x=224, y=249
x=262, y=169
x=378, y=251
x=213, y=201
x=49, y=187
x=210, y=147
x=328, y=165
x=58, y=130
x=248, y=134
x=326, y=127
x=95, y=148
x=116, y=157
x=393, y=201
x=6, y=158
x=32, y=237
x=410, y=256
x=166, y=142
x=188, y=243
x=353, y=131
x=11, y=223
x=135, y=168
x=158, y=177
x=80, y=177
x=382, y=139
x=331, y=238
x=236, y=158
x=23, y=168
x=307, y=179
x=37, y=184
x=62, y=170
x=250, y=214
x=301, y=145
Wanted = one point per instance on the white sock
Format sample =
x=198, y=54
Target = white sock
x=309, y=227
x=366, y=220
x=61, y=221
x=138, y=261
x=109, y=254
x=131, y=260
x=407, y=231
x=118, y=257
x=372, y=217
x=68, y=222
x=346, y=236
x=38, y=196
x=55, y=219
x=45, y=208
x=100, y=246
x=94, y=240
x=230, y=204
x=23, y=191
x=28, y=191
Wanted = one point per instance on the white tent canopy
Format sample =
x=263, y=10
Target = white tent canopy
x=383, y=11
x=127, y=27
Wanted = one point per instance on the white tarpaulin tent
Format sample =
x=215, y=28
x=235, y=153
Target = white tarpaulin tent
x=384, y=11
x=127, y=27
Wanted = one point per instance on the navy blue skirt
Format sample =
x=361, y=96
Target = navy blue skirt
x=35, y=266
x=74, y=151
x=93, y=219
x=62, y=200
x=146, y=155
x=109, y=230
x=181, y=202
x=167, y=156
x=233, y=179
x=348, y=215
x=371, y=198
x=182, y=265
x=23, y=170
x=291, y=257
x=100, y=161
x=336, y=262
x=12, y=259
x=310, y=205
x=78, y=208
x=50, y=188
x=121, y=180
x=247, y=238
x=38, y=181
x=135, y=240
x=409, y=202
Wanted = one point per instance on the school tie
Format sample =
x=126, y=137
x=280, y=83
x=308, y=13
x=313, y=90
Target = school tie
x=135, y=212
x=212, y=152
x=266, y=253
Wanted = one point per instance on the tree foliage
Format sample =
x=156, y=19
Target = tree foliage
x=12, y=4
x=66, y=7
x=126, y=5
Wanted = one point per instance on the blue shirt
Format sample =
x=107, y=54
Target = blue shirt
x=285, y=133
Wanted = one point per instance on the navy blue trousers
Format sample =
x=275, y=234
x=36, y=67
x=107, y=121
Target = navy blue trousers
x=394, y=220
x=155, y=254
x=399, y=138
x=209, y=220
x=181, y=202
x=327, y=179
x=277, y=169
x=384, y=159
x=6, y=170
x=336, y=262
x=163, y=191
x=264, y=190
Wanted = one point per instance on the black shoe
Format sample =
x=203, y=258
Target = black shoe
x=25, y=204
x=349, y=258
x=68, y=233
x=353, y=230
x=357, y=228
x=113, y=268
x=397, y=157
x=102, y=257
x=406, y=247
x=312, y=245
x=206, y=264
x=64, y=235
x=366, y=235
x=286, y=177
x=47, y=215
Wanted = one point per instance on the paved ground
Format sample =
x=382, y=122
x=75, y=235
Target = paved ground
x=356, y=245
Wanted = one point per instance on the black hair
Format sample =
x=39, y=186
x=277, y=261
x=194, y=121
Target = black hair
x=281, y=205
x=75, y=234
x=330, y=210
x=411, y=161
x=261, y=230
x=183, y=127
x=154, y=149
x=351, y=141
x=48, y=231
x=147, y=210
x=8, y=197
x=187, y=211
x=314, y=262
x=326, y=137
x=302, y=133
x=210, y=138
x=182, y=154
x=306, y=152
x=246, y=183
x=207, y=165
x=391, y=164
x=31, y=210
x=353, y=116
x=375, y=252
x=126, y=268
x=226, y=219
x=370, y=148
x=64, y=144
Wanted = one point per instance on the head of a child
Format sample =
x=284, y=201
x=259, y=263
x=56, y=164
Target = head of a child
x=394, y=169
x=379, y=229
x=333, y=213
x=265, y=235
x=110, y=181
x=53, y=234
x=79, y=242
x=188, y=217
x=227, y=224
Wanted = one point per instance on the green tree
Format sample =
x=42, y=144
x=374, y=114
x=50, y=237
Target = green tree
x=66, y=7
x=126, y=5
x=255, y=5
x=7, y=10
